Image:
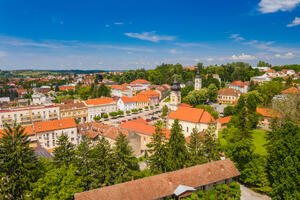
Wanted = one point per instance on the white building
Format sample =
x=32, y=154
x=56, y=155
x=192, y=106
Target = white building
x=142, y=82
x=99, y=106
x=198, y=81
x=121, y=91
x=190, y=118
x=40, y=99
x=48, y=132
x=241, y=86
x=4, y=99
x=126, y=103
x=175, y=96
x=28, y=115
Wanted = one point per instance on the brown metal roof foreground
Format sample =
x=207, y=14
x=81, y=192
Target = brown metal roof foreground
x=163, y=185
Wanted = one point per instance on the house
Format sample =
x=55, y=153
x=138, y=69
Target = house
x=48, y=132
x=28, y=115
x=41, y=99
x=228, y=95
x=267, y=115
x=126, y=103
x=28, y=130
x=78, y=111
x=291, y=91
x=222, y=122
x=141, y=101
x=142, y=82
x=241, y=86
x=67, y=88
x=190, y=118
x=100, y=106
x=144, y=131
x=261, y=79
x=172, y=185
x=22, y=92
x=152, y=95
x=121, y=91
x=288, y=72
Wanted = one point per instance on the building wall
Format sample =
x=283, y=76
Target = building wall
x=227, y=98
x=28, y=116
x=79, y=113
x=49, y=139
x=95, y=110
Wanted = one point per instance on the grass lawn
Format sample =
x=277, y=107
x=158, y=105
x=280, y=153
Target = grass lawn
x=258, y=140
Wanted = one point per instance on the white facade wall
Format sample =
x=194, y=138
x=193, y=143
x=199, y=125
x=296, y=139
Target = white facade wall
x=121, y=93
x=187, y=127
x=243, y=89
x=126, y=106
x=48, y=139
x=95, y=110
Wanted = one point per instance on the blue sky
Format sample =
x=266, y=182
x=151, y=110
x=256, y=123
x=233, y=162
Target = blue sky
x=130, y=34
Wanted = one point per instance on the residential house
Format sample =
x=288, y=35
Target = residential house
x=22, y=92
x=172, y=185
x=126, y=103
x=152, y=95
x=241, y=86
x=141, y=101
x=228, y=95
x=67, y=88
x=77, y=111
x=100, y=106
x=28, y=115
x=48, y=132
x=145, y=132
x=41, y=99
x=190, y=118
x=267, y=115
x=121, y=91
x=222, y=122
x=144, y=83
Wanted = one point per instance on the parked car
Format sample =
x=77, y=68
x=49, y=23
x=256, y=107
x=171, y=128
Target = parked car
x=123, y=120
x=148, y=120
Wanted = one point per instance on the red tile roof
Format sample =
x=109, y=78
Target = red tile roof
x=240, y=83
x=194, y=115
x=268, y=112
x=140, y=81
x=54, y=125
x=229, y=92
x=149, y=93
x=224, y=120
x=71, y=106
x=163, y=185
x=291, y=90
x=141, y=126
x=186, y=105
x=66, y=88
x=119, y=87
x=99, y=101
x=28, y=130
x=128, y=99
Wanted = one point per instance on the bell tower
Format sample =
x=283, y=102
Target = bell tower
x=198, y=81
x=175, y=96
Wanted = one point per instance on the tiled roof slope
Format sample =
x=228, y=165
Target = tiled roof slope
x=54, y=125
x=163, y=185
x=99, y=101
x=191, y=115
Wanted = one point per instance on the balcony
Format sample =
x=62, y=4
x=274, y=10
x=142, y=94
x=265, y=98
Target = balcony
x=36, y=118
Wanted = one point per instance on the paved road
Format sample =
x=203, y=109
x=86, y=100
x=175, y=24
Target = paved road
x=248, y=194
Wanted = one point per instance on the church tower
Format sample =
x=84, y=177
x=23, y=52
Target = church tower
x=175, y=97
x=198, y=81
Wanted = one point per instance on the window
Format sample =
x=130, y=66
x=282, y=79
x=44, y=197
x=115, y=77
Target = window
x=72, y=139
x=53, y=142
x=187, y=129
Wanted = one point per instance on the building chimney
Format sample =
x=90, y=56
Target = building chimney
x=132, y=179
x=222, y=167
x=184, y=166
x=170, y=180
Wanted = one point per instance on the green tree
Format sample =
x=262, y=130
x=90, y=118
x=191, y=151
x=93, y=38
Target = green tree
x=212, y=92
x=64, y=152
x=179, y=155
x=195, y=147
x=58, y=183
x=158, y=149
x=185, y=91
x=269, y=89
x=165, y=110
x=283, y=161
x=84, y=92
x=196, y=97
x=17, y=163
x=211, y=146
x=125, y=161
x=228, y=110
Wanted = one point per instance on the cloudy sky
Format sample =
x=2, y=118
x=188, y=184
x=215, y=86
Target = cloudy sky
x=130, y=34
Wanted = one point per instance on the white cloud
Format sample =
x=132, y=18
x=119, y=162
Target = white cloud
x=271, y=6
x=242, y=57
x=236, y=37
x=296, y=22
x=107, y=25
x=192, y=44
x=2, y=53
x=288, y=55
x=196, y=60
x=118, y=23
x=209, y=59
x=173, y=51
x=150, y=36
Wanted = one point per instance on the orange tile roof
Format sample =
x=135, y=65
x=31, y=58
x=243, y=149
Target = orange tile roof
x=186, y=105
x=66, y=87
x=229, y=92
x=163, y=185
x=190, y=68
x=140, y=81
x=149, y=93
x=28, y=130
x=192, y=115
x=291, y=90
x=119, y=87
x=224, y=120
x=71, y=106
x=141, y=98
x=54, y=125
x=240, y=83
x=128, y=99
x=268, y=112
x=99, y=101
x=142, y=127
